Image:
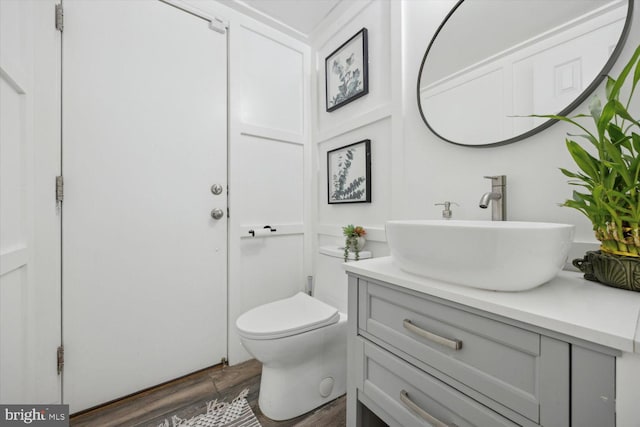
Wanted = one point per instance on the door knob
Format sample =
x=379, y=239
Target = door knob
x=217, y=189
x=217, y=213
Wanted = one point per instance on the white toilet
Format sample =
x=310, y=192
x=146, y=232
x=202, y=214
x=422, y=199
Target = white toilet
x=302, y=342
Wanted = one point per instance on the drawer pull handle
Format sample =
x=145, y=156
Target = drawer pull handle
x=452, y=344
x=404, y=397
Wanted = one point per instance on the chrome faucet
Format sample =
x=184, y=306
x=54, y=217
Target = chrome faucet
x=498, y=195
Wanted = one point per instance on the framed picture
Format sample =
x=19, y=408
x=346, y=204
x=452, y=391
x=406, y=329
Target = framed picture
x=349, y=173
x=347, y=71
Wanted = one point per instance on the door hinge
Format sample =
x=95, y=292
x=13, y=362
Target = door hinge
x=60, y=359
x=228, y=213
x=59, y=18
x=59, y=189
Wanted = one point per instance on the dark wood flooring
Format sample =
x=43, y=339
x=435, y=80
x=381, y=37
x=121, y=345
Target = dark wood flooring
x=188, y=396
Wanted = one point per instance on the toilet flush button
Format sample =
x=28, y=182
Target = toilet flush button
x=326, y=386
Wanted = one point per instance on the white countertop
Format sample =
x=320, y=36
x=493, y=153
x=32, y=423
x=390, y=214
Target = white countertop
x=568, y=304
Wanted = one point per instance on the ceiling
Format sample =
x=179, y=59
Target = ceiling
x=302, y=16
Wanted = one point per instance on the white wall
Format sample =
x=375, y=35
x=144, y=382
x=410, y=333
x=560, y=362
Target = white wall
x=414, y=167
x=269, y=165
x=369, y=117
x=267, y=155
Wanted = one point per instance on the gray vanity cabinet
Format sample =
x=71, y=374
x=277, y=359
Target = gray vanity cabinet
x=420, y=360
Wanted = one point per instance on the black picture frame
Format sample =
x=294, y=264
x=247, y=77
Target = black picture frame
x=346, y=74
x=349, y=173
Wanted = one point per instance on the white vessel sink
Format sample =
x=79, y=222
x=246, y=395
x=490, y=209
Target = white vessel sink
x=495, y=255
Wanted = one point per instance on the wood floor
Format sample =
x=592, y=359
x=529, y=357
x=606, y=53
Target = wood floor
x=188, y=396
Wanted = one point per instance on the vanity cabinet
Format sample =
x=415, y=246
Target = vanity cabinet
x=420, y=360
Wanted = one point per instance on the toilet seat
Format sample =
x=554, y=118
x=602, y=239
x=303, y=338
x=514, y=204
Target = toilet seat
x=286, y=317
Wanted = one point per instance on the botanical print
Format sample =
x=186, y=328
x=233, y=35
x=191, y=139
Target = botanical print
x=343, y=189
x=348, y=170
x=350, y=79
x=346, y=71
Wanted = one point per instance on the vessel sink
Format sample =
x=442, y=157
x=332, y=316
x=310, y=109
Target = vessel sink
x=495, y=255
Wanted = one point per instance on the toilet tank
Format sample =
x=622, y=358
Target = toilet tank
x=331, y=280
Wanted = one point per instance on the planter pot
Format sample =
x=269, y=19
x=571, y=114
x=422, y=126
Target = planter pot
x=612, y=270
x=359, y=244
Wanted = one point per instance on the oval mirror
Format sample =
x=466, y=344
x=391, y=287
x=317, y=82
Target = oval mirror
x=493, y=61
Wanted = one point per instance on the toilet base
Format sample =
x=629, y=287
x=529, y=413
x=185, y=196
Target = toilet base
x=289, y=393
x=301, y=372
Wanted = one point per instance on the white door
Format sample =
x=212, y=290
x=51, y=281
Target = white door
x=144, y=140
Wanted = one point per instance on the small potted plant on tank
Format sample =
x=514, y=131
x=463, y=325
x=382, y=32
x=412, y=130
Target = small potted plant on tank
x=354, y=240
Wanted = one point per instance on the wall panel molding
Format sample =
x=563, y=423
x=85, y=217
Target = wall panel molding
x=11, y=81
x=397, y=71
x=280, y=104
x=269, y=176
x=374, y=233
x=271, y=133
x=281, y=230
x=357, y=122
x=14, y=259
x=275, y=36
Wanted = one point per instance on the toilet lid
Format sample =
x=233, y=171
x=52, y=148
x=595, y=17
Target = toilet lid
x=286, y=317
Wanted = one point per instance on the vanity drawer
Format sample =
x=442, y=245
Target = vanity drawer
x=415, y=398
x=497, y=360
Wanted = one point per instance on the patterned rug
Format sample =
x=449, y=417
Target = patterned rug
x=238, y=413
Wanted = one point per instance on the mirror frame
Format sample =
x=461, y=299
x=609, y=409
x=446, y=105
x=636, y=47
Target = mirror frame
x=565, y=111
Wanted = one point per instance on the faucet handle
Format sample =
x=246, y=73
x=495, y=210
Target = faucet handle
x=497, y=179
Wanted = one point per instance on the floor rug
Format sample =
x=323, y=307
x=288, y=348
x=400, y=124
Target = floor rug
x=238, y=413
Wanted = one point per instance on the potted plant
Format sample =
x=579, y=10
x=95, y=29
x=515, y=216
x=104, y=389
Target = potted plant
x=354, y=240
x=609, y=181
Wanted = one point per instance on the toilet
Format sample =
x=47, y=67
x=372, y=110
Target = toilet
x=301, y=342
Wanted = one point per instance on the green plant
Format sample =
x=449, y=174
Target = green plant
x=610, y=179
x=351, y=234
